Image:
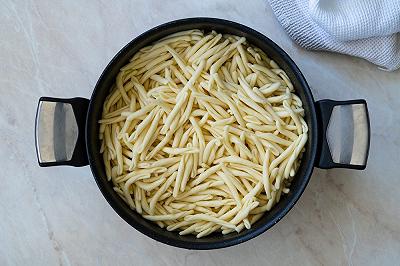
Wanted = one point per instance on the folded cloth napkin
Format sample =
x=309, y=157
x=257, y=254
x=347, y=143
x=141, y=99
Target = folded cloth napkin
x=369, y=29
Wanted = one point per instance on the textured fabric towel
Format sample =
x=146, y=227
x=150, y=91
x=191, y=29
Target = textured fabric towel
x=369, y=29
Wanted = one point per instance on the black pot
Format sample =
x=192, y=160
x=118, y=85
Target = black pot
x=67, y=133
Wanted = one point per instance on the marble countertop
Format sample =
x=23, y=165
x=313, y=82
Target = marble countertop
x=57, y=215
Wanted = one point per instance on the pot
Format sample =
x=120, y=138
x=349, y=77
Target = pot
x=67, y=133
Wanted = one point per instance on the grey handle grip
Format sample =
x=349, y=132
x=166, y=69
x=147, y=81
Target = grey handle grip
x=344, y=128
x=60, y=131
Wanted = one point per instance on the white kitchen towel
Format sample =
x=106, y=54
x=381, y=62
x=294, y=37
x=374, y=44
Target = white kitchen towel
x=369, y=29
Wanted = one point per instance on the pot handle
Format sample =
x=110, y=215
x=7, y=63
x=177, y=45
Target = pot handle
x=60, y=131
x=345, y=134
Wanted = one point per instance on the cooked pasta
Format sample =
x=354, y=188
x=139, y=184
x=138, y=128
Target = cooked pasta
x=201, y=133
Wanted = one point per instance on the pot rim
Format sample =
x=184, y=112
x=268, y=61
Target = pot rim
x=223, y=242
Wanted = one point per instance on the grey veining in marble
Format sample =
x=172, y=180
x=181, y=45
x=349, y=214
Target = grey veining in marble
x=53, y=216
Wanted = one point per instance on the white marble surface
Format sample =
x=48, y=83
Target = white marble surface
x=57, y=215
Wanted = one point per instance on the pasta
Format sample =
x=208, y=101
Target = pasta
x=202, y=132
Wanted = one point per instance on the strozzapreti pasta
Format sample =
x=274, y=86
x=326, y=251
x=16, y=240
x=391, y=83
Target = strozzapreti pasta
x=202, y=132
